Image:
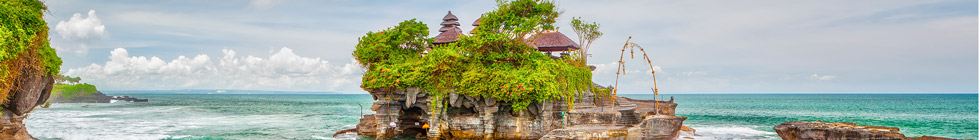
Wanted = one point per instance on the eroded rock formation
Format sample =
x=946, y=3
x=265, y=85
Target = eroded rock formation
x=810, y=130
x=32, y=88
x=403, y=113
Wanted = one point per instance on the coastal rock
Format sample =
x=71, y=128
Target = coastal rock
x=808, y=130
x=688, y=129
x=97, y=97
x=657, y=127
x=592, y=117
x=367, y=126
x=32, y=88
x=928, y=138
x=29, y=92
x=588, y=133
x=473, y=117
x=12, y=127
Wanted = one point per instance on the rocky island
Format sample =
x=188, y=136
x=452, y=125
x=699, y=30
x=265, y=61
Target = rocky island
x=468, y=117
x=512, y=77
x=68, y=89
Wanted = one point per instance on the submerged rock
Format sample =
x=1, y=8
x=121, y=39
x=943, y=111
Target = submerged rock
x=809, y=130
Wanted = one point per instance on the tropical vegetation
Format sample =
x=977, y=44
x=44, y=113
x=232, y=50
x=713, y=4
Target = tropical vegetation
x=24, y=44
x=493, y=62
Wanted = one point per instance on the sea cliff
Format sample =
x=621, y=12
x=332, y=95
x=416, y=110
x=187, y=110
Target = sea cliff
x=27, y=64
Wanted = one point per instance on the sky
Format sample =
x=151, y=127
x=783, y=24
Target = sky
x=755, y=46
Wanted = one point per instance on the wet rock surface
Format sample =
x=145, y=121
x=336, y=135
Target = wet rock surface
x=816, y=130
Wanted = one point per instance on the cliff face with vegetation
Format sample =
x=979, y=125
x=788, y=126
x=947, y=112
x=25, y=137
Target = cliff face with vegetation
x=77, y=93
x=67, y=89
x=27, y=64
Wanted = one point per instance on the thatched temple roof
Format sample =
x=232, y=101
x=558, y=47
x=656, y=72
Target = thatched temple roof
x=553, y=41
x=449, y=22
x=450, y=16
x=444, y=29
x=477, y=22
x=448, y=36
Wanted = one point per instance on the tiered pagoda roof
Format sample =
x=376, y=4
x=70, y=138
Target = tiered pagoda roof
x=450, y=31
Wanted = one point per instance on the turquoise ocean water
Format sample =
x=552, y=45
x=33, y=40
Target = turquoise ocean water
x=318, y=116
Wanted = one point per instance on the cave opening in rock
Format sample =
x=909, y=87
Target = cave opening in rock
x=461, y=111
x=411, y=122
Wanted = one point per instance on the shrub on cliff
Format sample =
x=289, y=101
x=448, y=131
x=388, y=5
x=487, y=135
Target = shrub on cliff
x=495, y=61
x=24, y=44
x=72, y=91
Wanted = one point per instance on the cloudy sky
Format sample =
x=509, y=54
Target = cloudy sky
x=823, y=46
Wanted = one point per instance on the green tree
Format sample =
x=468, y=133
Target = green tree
x=493, y=62
x=63, y=79
x=587, y=32
x=393, y=45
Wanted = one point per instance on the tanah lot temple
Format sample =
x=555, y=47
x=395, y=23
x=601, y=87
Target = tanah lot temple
x=409, y=112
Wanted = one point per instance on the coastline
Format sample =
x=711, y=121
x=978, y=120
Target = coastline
x=328, y=113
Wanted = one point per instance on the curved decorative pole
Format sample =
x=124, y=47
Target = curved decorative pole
x=652, y=73
x=622, y=65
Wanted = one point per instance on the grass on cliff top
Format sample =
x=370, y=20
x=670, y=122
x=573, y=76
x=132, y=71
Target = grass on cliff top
x=72, y=91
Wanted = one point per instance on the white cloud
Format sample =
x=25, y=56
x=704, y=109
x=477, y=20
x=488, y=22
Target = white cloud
x=79, y=32
x=822, y=77
x=81, y=28
x=694, y=73
x=262, y=4
x=81, y=49
x=283, y=70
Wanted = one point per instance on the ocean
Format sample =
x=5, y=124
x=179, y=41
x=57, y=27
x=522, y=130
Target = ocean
x=318, y=116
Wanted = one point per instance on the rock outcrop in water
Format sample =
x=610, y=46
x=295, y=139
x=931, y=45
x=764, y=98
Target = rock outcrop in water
x=96, y=97
x=402, y=113
x=809, y=130
x=32, y=89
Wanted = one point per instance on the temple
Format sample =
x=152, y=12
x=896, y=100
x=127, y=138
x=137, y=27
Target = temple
x=548, y=42
x=450, y=31
x=411, y=113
